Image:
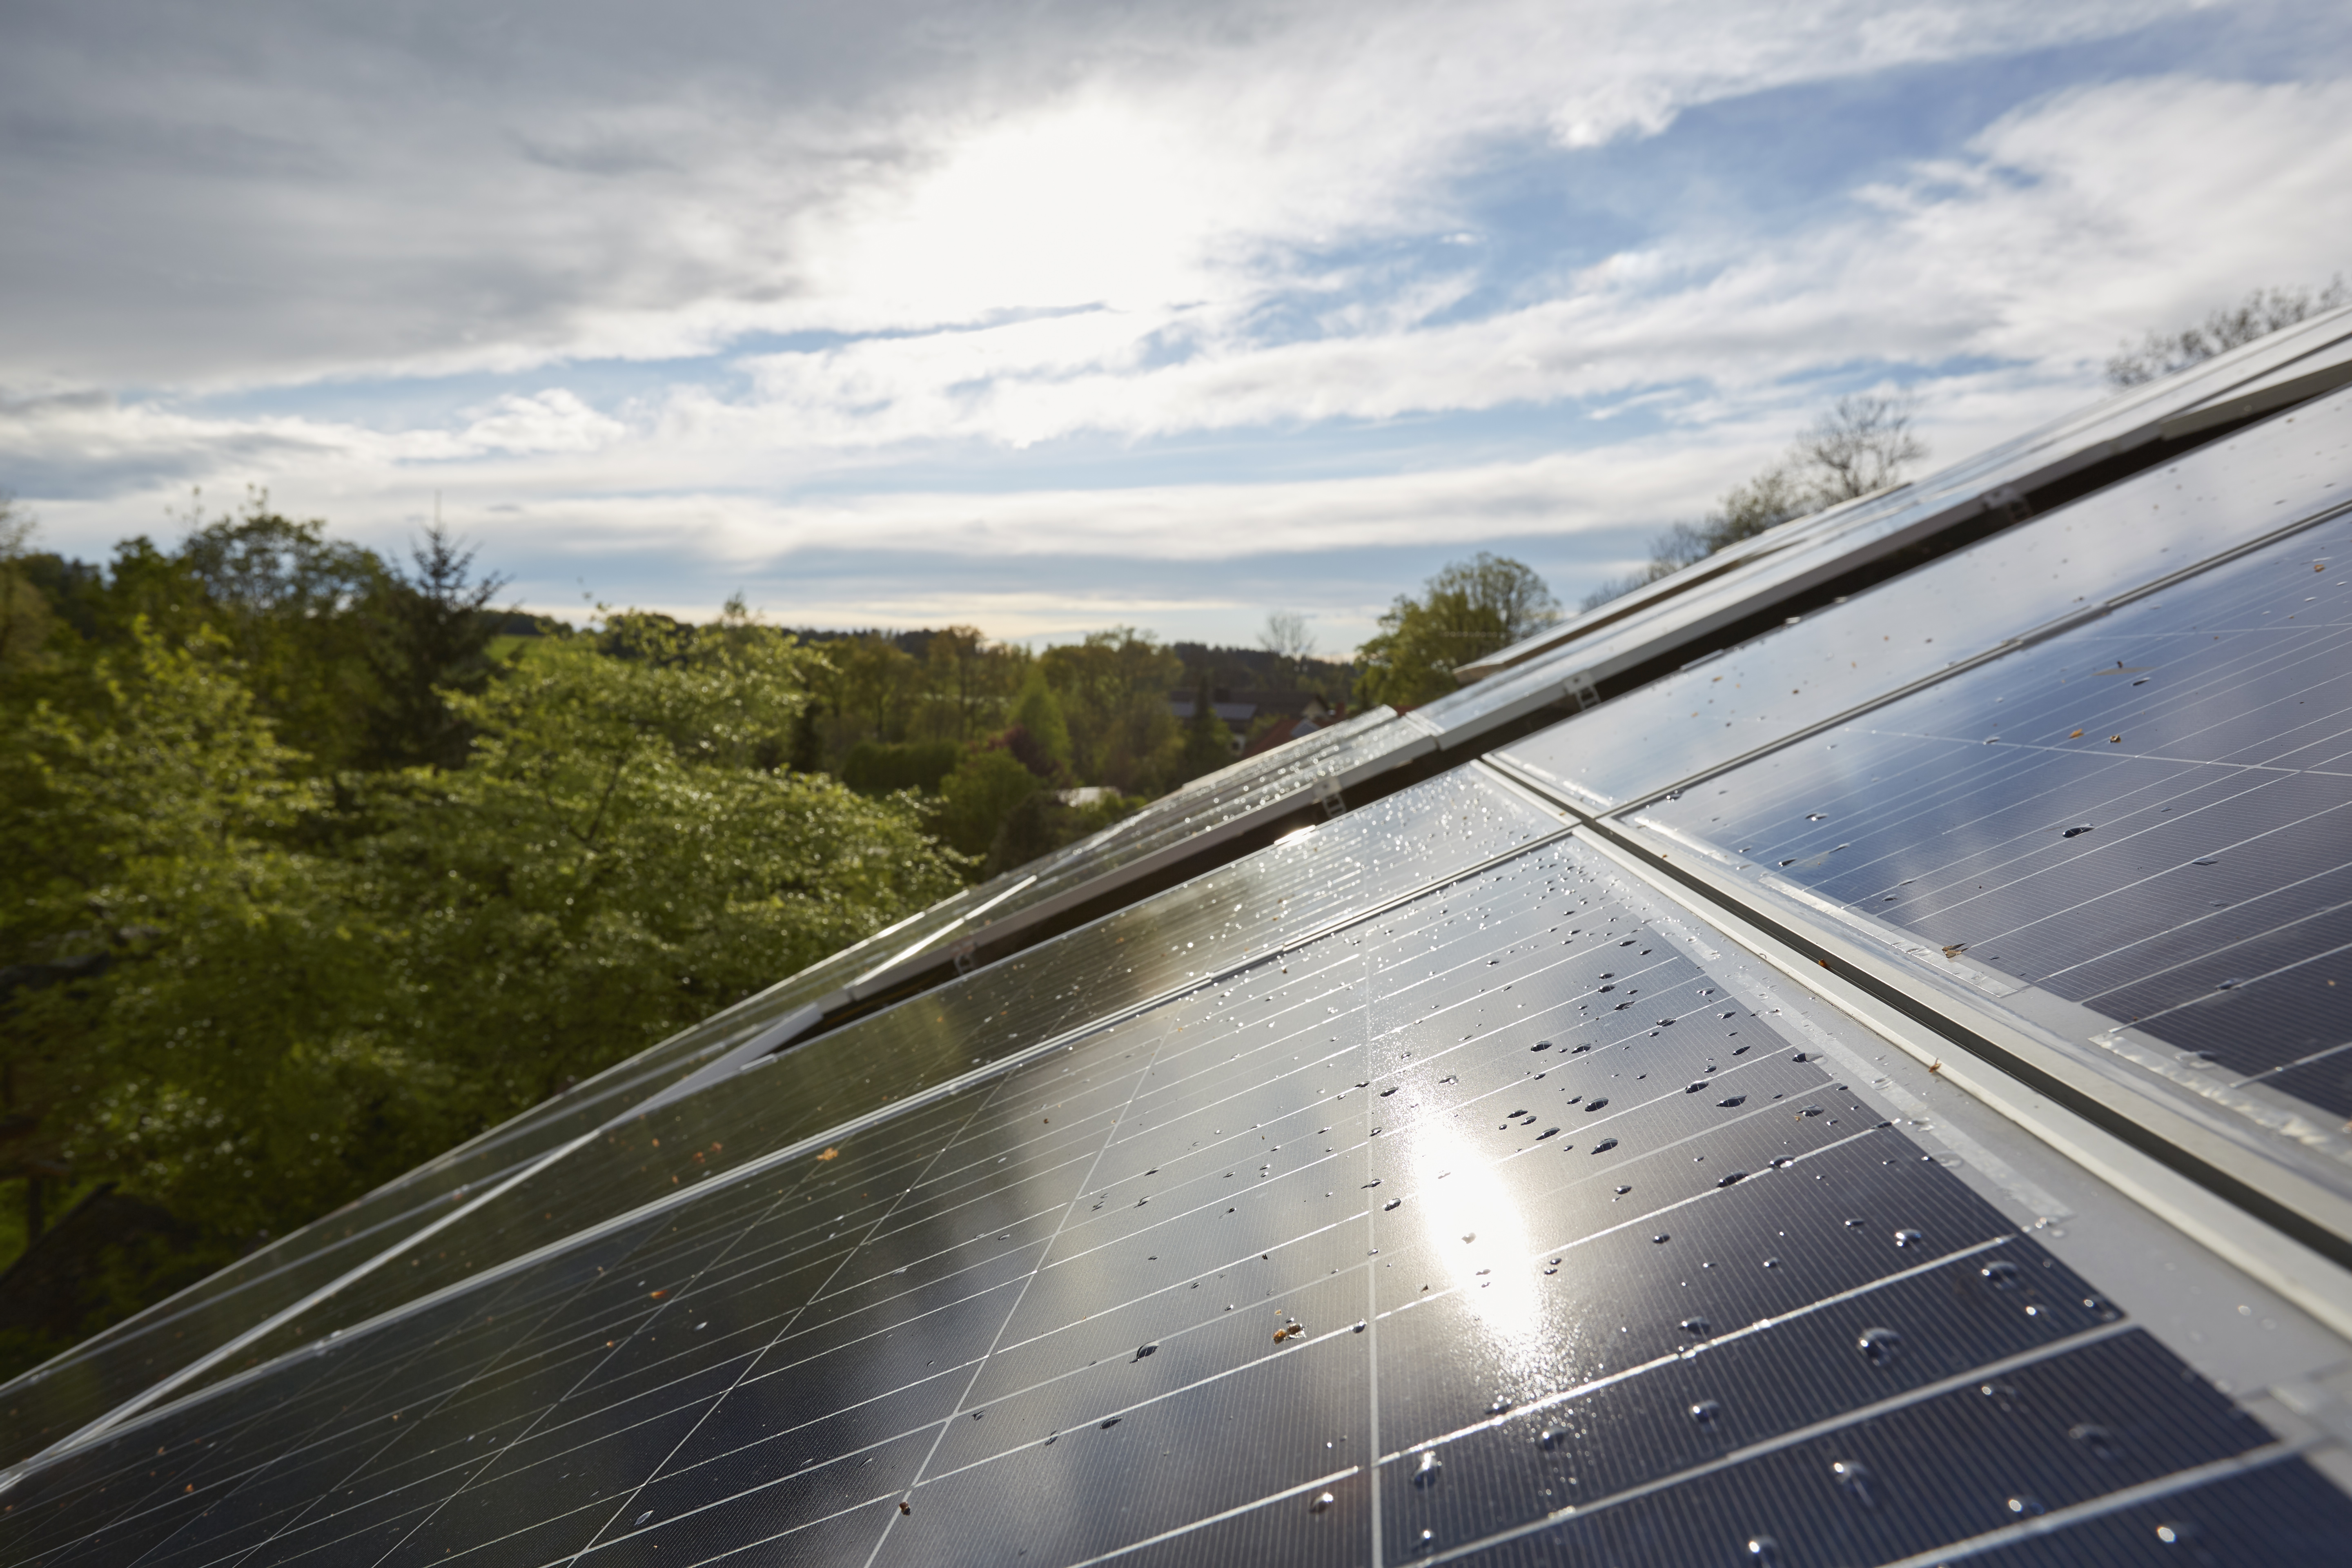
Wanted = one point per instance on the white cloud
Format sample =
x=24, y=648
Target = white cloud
x=241, y=199
x=1156, y=232
x=552, y=421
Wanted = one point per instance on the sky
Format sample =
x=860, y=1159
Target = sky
x=1046, y=317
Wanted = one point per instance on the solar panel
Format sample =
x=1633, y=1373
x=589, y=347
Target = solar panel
x=1433, y=1118
x=2022, y=584
x=1506, y=1214
x=2146, y=813
x=1598, y=654
x=116, y=1363
x=1428, y=834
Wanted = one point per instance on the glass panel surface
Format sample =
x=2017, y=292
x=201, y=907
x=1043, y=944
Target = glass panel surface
x=1915, y=627
x=1295, y=1269
x=1166, y=944
x=111, y=1367
x=2149, y=815
x=64, y=1393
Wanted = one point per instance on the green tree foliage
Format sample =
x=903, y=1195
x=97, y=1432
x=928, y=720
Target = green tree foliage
x=613, y=862
x=241, y=986
x=967, y=682
x=879, y=767
x=982, y=792
x=147, y=859
x=428, y=634
x=1859, y=445
x=2259, y=314
x=1468, y=610
x=1208, y=744
x=26, y=617
x=289, y=601
x=1038, y=712
x=1113, y=689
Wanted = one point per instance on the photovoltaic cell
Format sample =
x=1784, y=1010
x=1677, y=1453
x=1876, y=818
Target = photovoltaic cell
x=112, y=1366
x=1164, y=945
x=1919, y=625
x=2146, y=815
x=116, y=1364
x=1290, y=1267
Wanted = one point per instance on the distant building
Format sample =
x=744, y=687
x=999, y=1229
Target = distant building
x=1247, y=713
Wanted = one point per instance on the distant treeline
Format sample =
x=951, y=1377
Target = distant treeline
x=313, y=864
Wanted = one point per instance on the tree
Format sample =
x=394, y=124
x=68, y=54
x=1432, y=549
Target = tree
x=1859, y=445
x=873, y=688
x=288, y=599
x=430, y=634
x=25, y=619
x=1039, y=712
x=146, y=856
x=2259, y=314
x=1113, y=689
x=1207, y=740
x=980, y=795
x=1287, y=637
x=1469, y=609
x=245, y=1020
x=967, y=682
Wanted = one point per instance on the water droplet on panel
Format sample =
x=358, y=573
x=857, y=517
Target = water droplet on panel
x=2025, y=1505
x=1660, y=1239
x=1763, y=1549
x=1597, y=1104
x=1706, y=1412
x=1878, y=1345
x=1622, y=1190
x=1771, y=1263
x=1604, y=1145
x=1735, y=1177
x=2001, y=1274
x=1426, y=1475
x=1907, y=1236
x=1695, y=1086
x=645, y=1515
x=2096, y=1441
x=1697, y=1328
x=1392, y=1203
x=1854, y=1479
x=1498, y=1405
x=1551, y=1439
x=2173, y=1531
x=1735, y=1100
x=2075, y=832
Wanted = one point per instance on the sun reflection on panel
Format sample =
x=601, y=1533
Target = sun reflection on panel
x=1483, y=1241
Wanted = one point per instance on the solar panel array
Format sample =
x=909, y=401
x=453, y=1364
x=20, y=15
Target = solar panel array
x=2131, y=799
x=1490, y=1171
